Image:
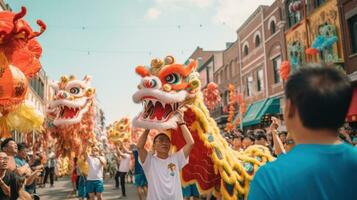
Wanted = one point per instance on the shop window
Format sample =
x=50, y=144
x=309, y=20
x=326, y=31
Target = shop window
x=352, y=24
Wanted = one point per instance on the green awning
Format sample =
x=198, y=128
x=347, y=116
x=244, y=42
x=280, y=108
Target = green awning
x=258, y=109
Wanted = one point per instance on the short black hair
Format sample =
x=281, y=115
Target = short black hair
x=249, y=136
x=260, y=134
x=21, y=146
x=156, y=136
x=321, y=94
x=5, y=142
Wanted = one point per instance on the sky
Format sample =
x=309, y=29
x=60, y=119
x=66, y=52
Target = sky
x=107, y=39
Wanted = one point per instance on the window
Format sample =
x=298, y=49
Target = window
x=317, y=3
x=257, y=41
x=293, y=17
x=245, y=50
x=352, y=24
x=272, y=27
x=260, y=80
x=38, y=86
x=276, y=68
x=249, y=85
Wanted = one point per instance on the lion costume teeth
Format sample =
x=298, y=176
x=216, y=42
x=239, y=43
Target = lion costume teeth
x=165, y=87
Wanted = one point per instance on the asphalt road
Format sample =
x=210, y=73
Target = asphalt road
x=62, y=190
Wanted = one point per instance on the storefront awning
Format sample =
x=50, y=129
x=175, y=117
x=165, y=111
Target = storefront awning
x=258, y=109
x=352, y=112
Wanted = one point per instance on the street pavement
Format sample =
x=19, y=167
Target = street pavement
x=63, y=189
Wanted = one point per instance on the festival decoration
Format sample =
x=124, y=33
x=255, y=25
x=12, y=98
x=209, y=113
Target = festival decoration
x=296, y=6
x=229, y=125
x=211, y=95
x=324, y=42
x=242, y=108
x=120, y=132
x=167, y=86
x=19, y=60
x=296, y=54
x=311, y=51
x=285, y=70
x=71, y=115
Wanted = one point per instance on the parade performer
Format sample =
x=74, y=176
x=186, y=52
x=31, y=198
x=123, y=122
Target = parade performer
x=19, y=60
x=94, y=184
x=213, y=166
x=71, y=115
x=162, y=169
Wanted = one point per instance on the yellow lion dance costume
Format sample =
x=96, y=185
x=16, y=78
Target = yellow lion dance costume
x=120, y=132
x=213, y=166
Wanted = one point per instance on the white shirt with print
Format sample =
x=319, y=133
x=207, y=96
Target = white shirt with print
x=163, y=176
x=124, y=163
x=95, y=168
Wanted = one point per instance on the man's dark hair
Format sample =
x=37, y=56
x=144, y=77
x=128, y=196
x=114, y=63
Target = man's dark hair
x=21, y=146
x=249, y=136
x=321, y=94
x=156, y=136
x=5, y=142
x=260, y=134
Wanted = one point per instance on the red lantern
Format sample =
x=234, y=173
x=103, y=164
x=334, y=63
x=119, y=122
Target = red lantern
x=311, y=51
x=285, y=70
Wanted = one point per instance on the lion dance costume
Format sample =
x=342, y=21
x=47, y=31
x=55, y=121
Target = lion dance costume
x=71, y=115
x=19, y=60
x=213, y=166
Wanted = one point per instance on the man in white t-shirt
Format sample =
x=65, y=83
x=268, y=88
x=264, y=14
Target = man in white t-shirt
x=124, y=166
x=161, y=169
x=94, y=183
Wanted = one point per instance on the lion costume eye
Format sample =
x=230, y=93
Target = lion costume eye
x=75, y=90
x=172, y=78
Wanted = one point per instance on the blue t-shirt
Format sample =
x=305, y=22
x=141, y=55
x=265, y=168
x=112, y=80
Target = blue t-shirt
x=19, y=162
x=138, y=169
x=308, y=171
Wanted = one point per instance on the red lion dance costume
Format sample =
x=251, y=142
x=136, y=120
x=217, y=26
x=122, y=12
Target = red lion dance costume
x=19, y=60
x=213, y=165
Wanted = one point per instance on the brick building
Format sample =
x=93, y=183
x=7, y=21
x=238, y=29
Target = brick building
x=261, y=49
x=348, y=16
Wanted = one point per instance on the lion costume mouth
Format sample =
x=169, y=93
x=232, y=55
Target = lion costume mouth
x=67, y=113
x=159, y=108
x=157, y=111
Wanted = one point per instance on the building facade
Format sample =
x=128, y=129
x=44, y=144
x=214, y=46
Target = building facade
x=348, y=16
x=316, y=26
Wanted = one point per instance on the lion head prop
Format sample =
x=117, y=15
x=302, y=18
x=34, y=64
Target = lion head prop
x=165, y=87
x=71, y=114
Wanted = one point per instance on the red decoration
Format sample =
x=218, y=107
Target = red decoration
x=311, y=51
x=211, y=96
x=229, y=126
x=285, y=70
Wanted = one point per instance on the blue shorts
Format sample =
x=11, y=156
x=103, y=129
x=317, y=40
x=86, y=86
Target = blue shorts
x=190, y=191
x=82, y=187
x=140, y=180
x=94, y=186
